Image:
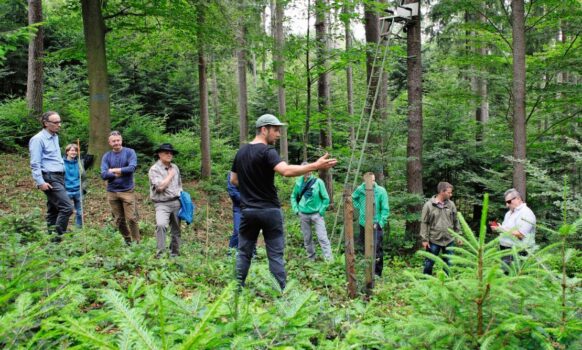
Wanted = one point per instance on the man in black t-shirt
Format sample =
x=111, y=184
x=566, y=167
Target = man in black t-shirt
x=253, y=171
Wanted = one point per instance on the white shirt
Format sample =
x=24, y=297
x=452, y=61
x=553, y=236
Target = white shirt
x=523, y=220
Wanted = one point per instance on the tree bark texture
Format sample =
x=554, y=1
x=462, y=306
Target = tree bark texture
x=99, y=113
x=205, y=167
x=215, y=97
x=34, y=84
x=414, y=144
x=376, y=80
x=518, y=90
x=349, y=244
x=369, y=247
x=323, y=88
x=309, y=81
x=279, y=63
x=242, y=85
x=347, y=9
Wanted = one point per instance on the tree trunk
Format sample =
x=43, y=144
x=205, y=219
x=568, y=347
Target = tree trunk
x=308, y=102
x=279, y=63
x=347, y=9
x=414, y=144
x=242, y=86
x=518, y=90
x=99, y=118
x=34, y=86
x=376, y=80
x=323, y=89
x=205, y=168
x=372, y=39
x=214, y=87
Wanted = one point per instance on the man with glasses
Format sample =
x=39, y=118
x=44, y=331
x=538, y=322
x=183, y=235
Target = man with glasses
x=439, y=215
x=48, y=172
x=519, y=226
x=117, y=167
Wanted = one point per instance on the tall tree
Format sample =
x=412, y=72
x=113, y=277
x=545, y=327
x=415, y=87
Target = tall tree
x=323, y=87
x=205, y=167
x=309, y=82
x=242, y=80
x=34, y=87
x=279, y=65
x=376, y=79
x=99, y=118
x=215, y=97
x=518, y=91
x=414, y=143
x=347, y=13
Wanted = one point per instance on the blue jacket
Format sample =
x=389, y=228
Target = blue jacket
x=72, y=178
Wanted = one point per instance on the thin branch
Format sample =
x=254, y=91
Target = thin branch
x=528, y=10
x=549, y=79
x=124, y=12
x=507, y=15
x=533, y=108
x=575, y=114
x=499, y=31
x=527, y=28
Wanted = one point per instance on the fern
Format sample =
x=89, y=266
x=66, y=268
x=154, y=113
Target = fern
x=129, y=319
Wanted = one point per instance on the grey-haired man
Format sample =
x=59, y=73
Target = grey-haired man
x=519, y=225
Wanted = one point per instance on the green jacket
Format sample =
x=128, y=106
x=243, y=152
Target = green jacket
x=435, y=222
x=314, y=200
x=382, y=208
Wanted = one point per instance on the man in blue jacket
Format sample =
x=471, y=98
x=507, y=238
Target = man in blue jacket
x=117, y=167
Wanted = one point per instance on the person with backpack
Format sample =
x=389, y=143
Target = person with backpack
x=310, y=200
x=165, y=189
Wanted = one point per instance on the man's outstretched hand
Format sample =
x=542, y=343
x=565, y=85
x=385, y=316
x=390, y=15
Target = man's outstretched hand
x=325, y=162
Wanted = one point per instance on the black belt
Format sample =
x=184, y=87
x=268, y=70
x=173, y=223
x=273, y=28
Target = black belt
x=53, y=172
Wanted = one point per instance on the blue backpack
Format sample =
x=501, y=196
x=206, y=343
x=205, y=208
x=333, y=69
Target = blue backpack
x=186, y=208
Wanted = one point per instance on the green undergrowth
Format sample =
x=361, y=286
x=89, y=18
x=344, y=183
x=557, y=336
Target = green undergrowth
x=93, y=292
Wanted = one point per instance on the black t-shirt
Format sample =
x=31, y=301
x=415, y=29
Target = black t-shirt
x=254, y=165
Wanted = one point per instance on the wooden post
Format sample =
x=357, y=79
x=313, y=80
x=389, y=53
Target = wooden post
x=349, y=233
x=369, y=251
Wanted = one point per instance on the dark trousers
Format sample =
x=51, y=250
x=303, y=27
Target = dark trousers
x=236, y=214
x=252, y=222
x=378, y=243
x=508, y=259
x=436, y=250
x=59, y=206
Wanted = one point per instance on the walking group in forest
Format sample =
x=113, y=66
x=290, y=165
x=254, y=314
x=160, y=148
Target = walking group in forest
x=255, y=203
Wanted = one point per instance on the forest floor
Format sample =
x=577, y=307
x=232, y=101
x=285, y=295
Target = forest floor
x=209, y=234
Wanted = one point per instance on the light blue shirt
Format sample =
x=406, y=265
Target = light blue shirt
x=45, y=155
x=523, y=220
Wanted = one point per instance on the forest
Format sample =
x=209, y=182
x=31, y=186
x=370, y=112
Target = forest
x=485, y=95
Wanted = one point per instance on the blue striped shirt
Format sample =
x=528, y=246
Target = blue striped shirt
x=45, y=155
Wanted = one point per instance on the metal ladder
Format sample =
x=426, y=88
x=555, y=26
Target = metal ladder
x=400, y=15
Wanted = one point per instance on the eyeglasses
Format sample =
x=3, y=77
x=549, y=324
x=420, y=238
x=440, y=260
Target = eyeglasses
x=56, y=123
x=510, y=200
